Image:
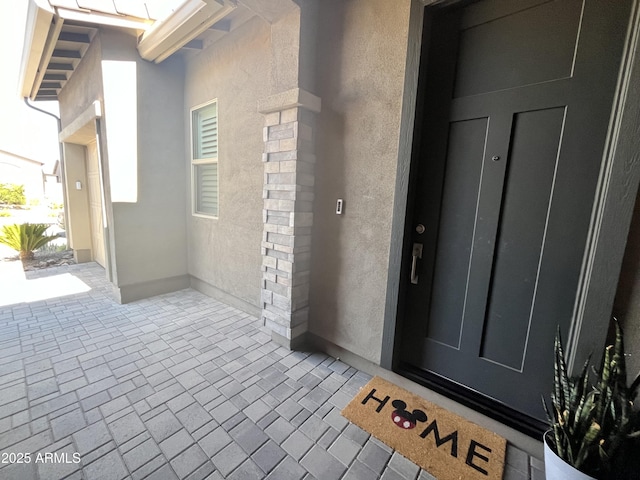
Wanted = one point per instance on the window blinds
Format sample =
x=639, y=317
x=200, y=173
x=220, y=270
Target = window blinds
x=205, y=161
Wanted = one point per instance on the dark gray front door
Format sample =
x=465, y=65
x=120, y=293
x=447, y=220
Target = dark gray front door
x=513, y=121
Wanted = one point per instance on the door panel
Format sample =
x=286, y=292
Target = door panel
x=462, y=183
x=517, y=103
x=95, y=203
x=541, y=39
x=520, y=241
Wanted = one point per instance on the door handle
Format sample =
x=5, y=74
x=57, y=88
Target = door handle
x=416, y=254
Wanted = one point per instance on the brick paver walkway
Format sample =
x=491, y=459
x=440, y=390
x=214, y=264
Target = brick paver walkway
x=176, y=386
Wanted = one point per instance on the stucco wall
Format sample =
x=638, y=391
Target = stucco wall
x=85, y=85
x=148, y=224
x=225, y=252
x=361, y=63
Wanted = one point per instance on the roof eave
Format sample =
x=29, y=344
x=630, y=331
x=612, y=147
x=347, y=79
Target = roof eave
x=39, y=22
x=190, y=19
x=104, y=19
x=43, y=27
x=21, y=157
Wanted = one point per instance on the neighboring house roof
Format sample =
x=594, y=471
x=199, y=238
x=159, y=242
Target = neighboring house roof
x=4, y=153
x=59, y=32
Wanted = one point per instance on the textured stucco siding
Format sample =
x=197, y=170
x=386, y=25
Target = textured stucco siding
x=146, y=235
x=150, y=232
x=225, y=252
x=361, y=64
x=85, y=85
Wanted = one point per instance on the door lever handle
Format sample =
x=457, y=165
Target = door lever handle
x=416, y=254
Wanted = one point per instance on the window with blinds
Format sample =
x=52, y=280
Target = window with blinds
x=204, y=161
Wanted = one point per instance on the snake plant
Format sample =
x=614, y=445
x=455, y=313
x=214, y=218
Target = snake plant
x=595, y=426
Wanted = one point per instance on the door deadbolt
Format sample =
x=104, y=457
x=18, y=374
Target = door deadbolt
x=420, y=228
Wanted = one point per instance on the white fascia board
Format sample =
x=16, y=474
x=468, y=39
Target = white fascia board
x=39, y=16
x=98, y=19
x=50, y=45
x=184, y=24
x=160, y=36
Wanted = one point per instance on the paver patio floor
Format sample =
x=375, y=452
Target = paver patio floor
x=176, y=386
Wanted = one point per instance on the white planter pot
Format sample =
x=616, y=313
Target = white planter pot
x=556, y=468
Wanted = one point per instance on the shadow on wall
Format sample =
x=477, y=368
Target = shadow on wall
x=627, y=303
x=328, y=238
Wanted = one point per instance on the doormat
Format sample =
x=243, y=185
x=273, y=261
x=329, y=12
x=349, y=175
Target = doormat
x=444, y=444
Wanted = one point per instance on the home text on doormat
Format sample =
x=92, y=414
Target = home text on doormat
x=444, y=444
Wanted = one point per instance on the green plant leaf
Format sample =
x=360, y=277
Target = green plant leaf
x=587, y=443
x=596, y=426
x=26, y=237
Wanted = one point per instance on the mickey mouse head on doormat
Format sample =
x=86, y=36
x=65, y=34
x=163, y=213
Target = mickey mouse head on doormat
x=403, y=419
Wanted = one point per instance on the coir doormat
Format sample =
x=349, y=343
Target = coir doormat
x=444, y=444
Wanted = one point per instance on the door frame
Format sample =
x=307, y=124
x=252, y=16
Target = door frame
x=86, y=128
x=610, y=219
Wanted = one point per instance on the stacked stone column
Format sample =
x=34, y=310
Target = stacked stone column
x=289, y=161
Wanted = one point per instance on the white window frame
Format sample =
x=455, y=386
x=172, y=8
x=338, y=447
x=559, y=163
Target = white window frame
x=203, y=161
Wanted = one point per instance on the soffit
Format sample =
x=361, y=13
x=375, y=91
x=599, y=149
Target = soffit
x=73, y=42
x=230, y=22
x=73, y=27
x=74, y=24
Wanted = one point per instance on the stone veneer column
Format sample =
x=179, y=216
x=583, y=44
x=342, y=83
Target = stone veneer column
x=289, y=160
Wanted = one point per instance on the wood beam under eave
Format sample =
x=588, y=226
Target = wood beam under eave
x=194, y=45
x=223, y=25
x=66, y=67
x=59, y=53
x=74, y=37
x=56, y=77
x=53, y=85
x=48, y=93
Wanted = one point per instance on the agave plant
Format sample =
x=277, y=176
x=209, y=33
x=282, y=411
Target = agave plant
x=595, y=427
x=25, y=238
